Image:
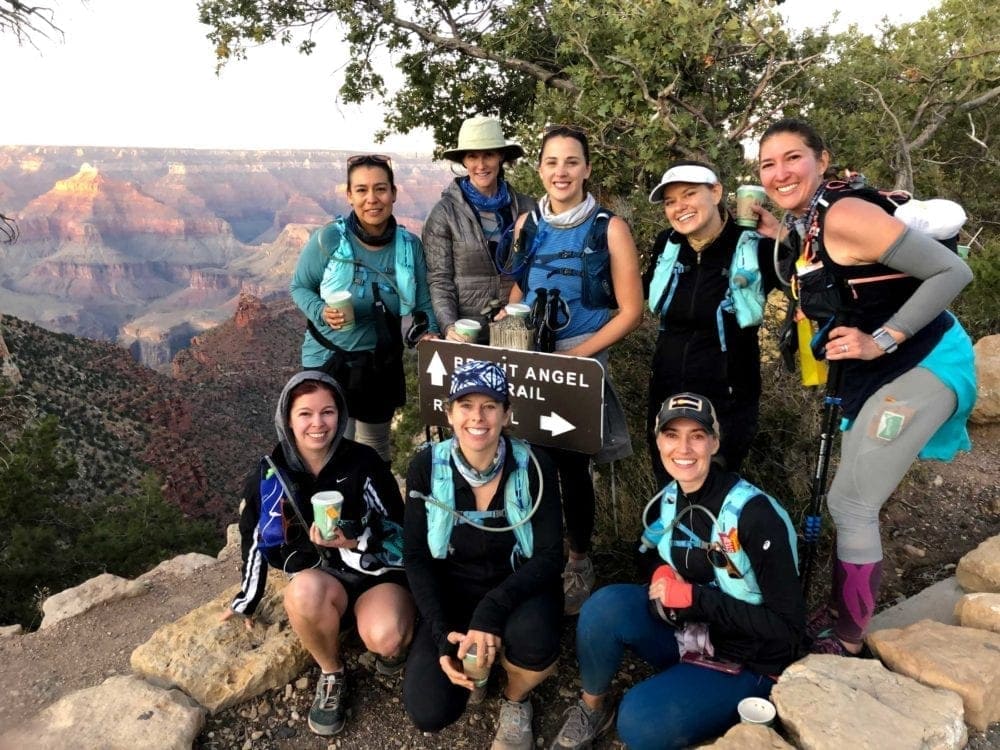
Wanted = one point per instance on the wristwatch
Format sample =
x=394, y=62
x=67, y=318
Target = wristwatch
x=884, y=340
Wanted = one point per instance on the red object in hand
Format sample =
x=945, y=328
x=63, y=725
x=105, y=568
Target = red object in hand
x=676, y=594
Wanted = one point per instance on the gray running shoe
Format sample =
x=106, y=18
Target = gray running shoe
x=582, y=727
x=578, y=581
x=328, y=712
x=514, y=731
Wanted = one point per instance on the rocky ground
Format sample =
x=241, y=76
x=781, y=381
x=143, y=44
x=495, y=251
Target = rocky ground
x=944, y=511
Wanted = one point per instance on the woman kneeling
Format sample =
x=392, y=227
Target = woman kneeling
x=719, y=620
x=483, y=554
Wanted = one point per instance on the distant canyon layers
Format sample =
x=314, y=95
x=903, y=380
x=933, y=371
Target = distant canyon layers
x=149, y=247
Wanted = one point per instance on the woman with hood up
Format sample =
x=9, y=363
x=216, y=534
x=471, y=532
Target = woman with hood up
x=357, y=571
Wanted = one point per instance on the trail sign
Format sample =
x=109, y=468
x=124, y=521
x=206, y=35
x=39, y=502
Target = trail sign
x=555, y=400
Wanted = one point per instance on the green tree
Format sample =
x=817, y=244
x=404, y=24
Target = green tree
x=917, y=106
x=649, y=80
x=51, y=543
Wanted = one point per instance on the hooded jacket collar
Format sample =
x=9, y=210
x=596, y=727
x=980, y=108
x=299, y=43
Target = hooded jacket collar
x=286, y=439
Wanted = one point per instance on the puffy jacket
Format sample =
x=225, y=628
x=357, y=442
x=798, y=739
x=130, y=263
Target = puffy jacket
x=460, y=270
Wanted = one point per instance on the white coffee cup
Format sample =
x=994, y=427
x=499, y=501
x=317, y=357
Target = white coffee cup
x=468, y=329
x=344, y=302
x=756, y=711
x=327, y=506
x=518, y=310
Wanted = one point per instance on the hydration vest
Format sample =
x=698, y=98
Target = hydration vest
x=597, y=290
x=517, y=501
x=342, y=267
x=744, y=298
x=272, y=526
x=726, y=529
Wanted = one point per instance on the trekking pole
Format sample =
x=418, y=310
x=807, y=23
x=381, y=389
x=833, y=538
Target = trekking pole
x=828, y=431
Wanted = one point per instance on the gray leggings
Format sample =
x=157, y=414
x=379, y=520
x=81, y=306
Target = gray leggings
x=378, y=435
x=892, y=427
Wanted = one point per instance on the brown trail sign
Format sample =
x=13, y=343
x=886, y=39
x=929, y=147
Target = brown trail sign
x=555, y=400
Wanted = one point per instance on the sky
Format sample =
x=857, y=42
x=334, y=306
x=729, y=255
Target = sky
x=142, y=73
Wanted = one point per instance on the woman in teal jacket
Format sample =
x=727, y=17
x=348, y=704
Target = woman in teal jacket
x=382, y=265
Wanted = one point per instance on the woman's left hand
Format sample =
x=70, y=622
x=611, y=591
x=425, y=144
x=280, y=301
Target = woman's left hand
x=851, y=343
x=338, y=540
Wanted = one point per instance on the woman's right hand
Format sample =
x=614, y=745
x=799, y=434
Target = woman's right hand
x=333, y=317
x=768, y=224
x=452, y=335
x=452, y=669
x=229, y=612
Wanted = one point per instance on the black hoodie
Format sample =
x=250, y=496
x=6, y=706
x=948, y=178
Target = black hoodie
x=370, y=495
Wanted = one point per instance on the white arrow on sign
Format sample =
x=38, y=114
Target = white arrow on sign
x=437, y=370
x=554, y=424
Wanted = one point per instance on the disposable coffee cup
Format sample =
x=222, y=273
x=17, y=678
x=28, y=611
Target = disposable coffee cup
x=756, y=711
x=518, y=310
x=344, y=302
x=747, y=196
x=468, y=329
x=326, y=512
x=963, y=252
x=479, y=674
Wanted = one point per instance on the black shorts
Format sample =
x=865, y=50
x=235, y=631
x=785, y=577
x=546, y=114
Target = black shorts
x=356, y=583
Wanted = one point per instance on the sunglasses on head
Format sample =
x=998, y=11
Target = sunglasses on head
x=369, y=159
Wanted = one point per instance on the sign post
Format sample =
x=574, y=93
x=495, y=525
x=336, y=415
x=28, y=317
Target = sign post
x=555, y=400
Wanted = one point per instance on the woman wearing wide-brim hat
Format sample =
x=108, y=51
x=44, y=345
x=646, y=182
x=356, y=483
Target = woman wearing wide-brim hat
x=471, y=226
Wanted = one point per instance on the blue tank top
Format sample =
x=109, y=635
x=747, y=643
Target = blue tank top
x=550, y=241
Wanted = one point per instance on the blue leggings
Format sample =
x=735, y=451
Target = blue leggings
x=683, y=704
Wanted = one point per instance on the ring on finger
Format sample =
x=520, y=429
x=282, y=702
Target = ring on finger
x=844, y=348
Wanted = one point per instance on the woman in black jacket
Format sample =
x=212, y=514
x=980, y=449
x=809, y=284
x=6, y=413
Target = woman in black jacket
x=498, y=591
x=357, y=570
x=701, y=347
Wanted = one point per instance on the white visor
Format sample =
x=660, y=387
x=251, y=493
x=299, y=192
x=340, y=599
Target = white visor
x=685, y=173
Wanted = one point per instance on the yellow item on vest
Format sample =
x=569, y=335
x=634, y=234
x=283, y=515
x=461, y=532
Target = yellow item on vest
x=812, y=370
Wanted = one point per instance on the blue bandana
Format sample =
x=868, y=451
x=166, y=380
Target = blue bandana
x=476, y=376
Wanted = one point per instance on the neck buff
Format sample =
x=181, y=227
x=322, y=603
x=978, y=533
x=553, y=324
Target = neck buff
x=473, y=476
x=574, y=217
x=379, y=240
x=699, y=245
x=481, y=202
x=800, y=224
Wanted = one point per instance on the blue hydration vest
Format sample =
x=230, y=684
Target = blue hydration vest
x=596, y=289
x=744, y=298
x=726, y=534
x=342, y=266
x=517, y=501
x=271, y=523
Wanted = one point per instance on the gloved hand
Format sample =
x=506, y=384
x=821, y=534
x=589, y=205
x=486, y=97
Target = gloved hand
x=669, y=589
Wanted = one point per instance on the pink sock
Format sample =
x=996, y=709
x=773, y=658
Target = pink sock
x=855, y=598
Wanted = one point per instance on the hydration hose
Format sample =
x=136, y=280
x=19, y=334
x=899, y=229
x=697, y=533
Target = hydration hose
x=481, y=527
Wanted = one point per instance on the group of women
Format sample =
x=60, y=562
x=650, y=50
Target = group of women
x=469, y=571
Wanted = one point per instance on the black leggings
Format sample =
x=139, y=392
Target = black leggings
x=530, y=641
x=577, y=490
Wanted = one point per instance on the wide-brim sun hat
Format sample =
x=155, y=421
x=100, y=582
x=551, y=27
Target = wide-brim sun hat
x=483, y=134
x=691, y=173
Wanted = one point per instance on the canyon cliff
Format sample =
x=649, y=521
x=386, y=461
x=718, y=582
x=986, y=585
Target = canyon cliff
x=151, y=247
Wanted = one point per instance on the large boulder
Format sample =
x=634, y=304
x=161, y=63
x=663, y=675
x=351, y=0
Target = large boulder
x=831, y=702
x=122, y=713
x=964, y=660
x=979, y=611
x=232, y=549
x=75, y=601
x=221, y=664
x=749, y=737
x=987, y=407
x=182, y=566
x=979, y=570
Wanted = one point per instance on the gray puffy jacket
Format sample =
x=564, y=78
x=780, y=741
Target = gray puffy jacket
x=460, y=272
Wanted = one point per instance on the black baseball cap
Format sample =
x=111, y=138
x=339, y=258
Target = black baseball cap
x=690, y=405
